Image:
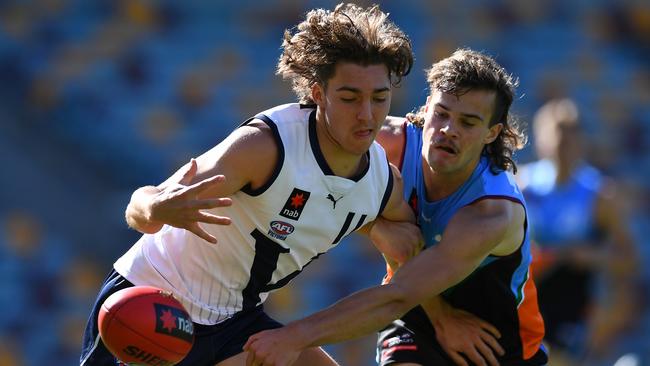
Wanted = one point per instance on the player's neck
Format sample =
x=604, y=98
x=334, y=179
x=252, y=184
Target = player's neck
x=440, y=185
x=344, y=164
x=565, y=169
x=341, y=162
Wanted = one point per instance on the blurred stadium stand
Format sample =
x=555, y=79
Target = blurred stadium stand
x=99, y=97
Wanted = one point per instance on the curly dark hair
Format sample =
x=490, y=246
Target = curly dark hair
x=467, y=70
x=347, y=34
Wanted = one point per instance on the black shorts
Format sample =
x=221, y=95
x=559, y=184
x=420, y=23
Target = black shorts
x=212, y=343
x=411, y=339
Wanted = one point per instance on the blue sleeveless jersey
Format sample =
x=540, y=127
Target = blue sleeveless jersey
x=434, y=216
x=561, y=214
x=501, y=291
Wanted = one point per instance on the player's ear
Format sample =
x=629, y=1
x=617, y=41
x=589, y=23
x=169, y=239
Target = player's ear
x=493, y=133
x=426, y=106
x=318, y=94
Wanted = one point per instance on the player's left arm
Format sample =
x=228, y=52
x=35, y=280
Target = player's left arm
x=398, y=219
x=491, y=226
x=486, y=227
x=461, y=333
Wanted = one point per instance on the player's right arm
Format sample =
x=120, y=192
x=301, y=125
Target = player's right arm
x=205, y=183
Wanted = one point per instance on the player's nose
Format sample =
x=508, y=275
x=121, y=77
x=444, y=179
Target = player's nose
x=364, y=112
x=448, y=128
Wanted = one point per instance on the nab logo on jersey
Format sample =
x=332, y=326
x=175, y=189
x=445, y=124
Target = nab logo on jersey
x=294, y=205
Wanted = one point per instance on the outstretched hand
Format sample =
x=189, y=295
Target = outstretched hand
x=179, y=204
x=461, y=333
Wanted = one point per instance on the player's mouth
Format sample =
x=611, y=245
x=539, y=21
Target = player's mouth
x=363, y=133
x=446, y=147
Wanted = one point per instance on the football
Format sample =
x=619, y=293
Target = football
x=146, y=325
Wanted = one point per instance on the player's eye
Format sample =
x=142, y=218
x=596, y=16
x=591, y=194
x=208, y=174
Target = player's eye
x=439, y=114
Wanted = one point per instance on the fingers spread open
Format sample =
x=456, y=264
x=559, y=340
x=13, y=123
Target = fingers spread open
x=205, y=184
x=210, y=203
x=212, y=219
x=196, y=229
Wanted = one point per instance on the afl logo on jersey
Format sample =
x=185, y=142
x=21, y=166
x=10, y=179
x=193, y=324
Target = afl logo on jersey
x=280, y=229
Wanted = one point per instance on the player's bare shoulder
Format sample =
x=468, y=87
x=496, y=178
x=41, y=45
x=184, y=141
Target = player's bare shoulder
x=248, y=156
x=258, y=148
x=391, y=137
x=393, y=126
x=258, y=135
x=502, y=219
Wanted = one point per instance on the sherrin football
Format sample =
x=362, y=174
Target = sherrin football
x=145, y=325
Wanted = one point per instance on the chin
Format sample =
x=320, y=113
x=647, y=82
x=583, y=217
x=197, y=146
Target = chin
x=360, y=151
x=360, y=148
x=441, y=165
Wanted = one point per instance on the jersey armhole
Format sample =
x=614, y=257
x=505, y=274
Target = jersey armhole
x=278, y=165
x=389, y=190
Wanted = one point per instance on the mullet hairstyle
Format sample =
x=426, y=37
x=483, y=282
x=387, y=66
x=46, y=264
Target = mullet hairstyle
x=467, y=70
x=311, y=50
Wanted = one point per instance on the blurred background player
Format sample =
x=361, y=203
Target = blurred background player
x=247, y=216
x=580, y=227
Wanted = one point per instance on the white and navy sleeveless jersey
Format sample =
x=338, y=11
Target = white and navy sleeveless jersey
x=302, y=212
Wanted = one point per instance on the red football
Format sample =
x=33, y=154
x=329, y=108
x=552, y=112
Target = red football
x=146, y=325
